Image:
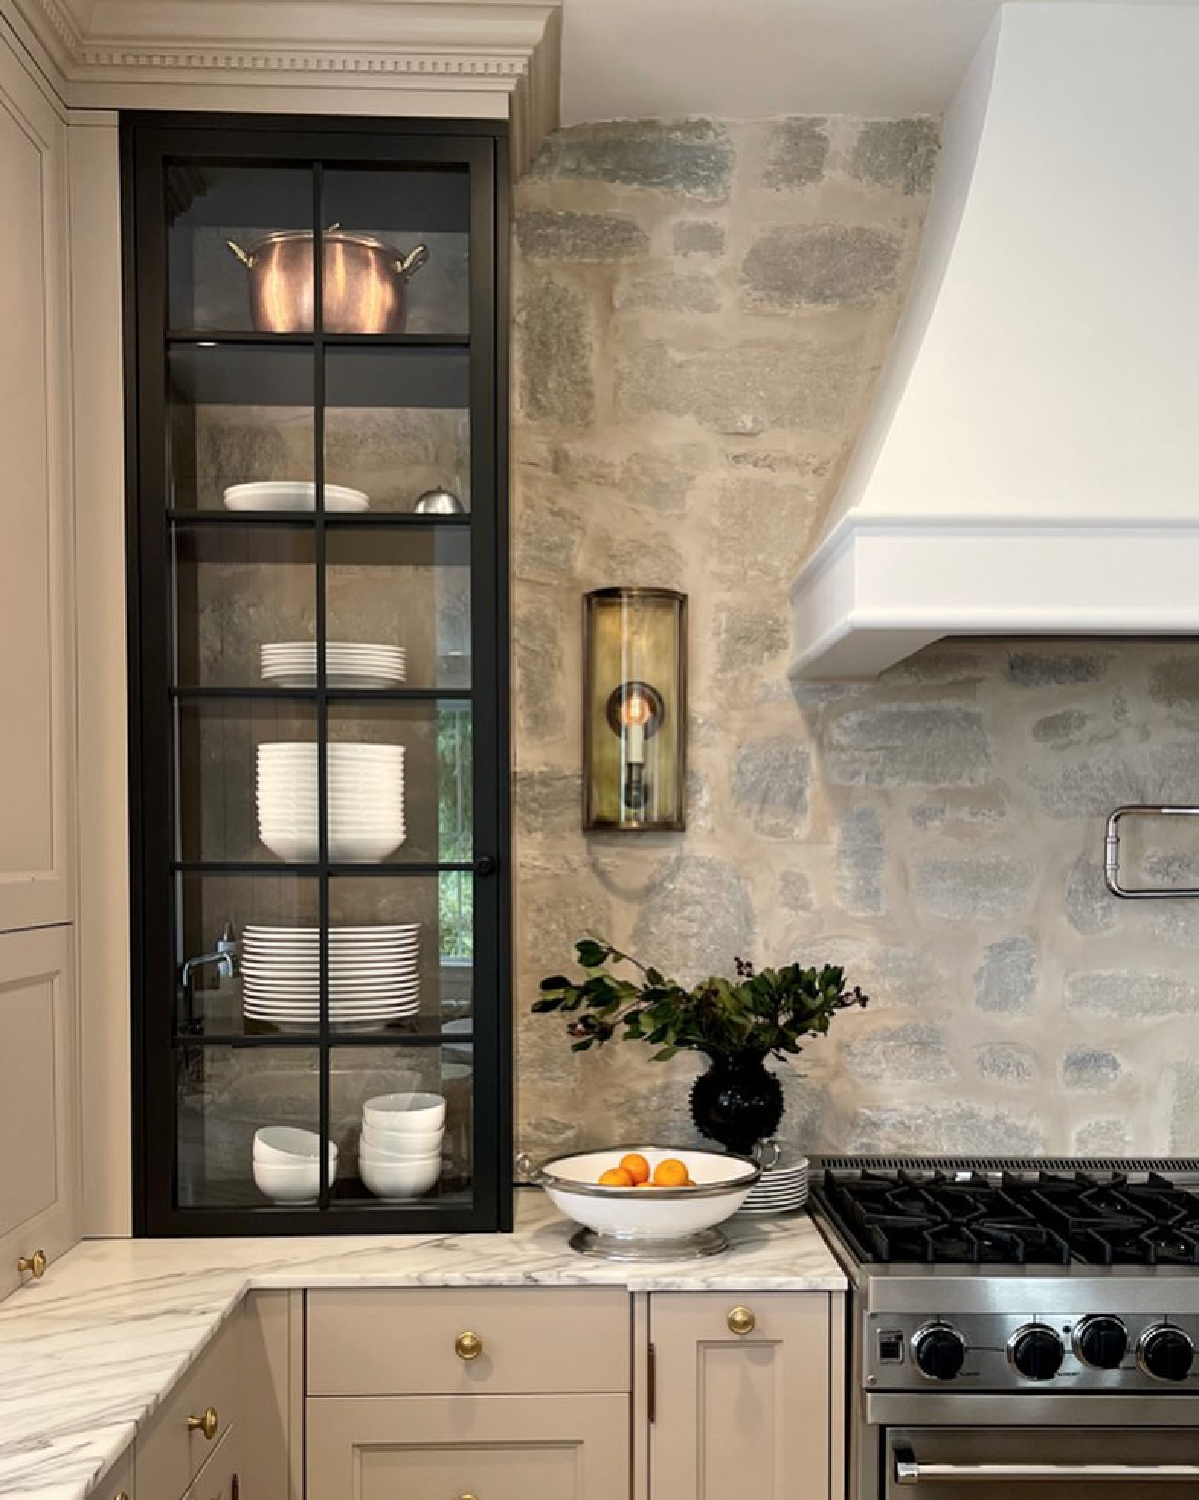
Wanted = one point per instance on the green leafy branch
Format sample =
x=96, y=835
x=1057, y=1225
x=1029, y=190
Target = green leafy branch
x=762, y=1013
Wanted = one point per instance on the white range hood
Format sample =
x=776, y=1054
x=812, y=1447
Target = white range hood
x=1031, y=463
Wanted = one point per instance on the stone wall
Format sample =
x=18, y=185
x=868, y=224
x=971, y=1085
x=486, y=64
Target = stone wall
x=701, y=311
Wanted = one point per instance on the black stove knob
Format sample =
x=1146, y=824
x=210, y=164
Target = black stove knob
x=1101, y=1342
x=1036, y=1351
x=1165, y=1353
x=939, y=1350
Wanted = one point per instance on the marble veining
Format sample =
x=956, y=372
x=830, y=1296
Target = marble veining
x=88, y=1354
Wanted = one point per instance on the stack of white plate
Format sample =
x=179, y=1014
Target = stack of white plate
x=292, y=494
x=366, y=800
x=348, y=664
x=373, y=977
x=781, y=1189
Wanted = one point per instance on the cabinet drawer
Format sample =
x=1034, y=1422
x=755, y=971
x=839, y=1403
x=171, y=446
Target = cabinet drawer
x=402, y=1342
x=499, y=1448
x=169, y=1457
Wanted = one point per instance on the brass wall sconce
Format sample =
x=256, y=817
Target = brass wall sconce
x=634, y=709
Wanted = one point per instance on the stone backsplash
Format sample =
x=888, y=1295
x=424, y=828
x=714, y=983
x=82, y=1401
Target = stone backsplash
x=701, y=312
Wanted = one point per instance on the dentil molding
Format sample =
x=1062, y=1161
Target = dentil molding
x=489, y=59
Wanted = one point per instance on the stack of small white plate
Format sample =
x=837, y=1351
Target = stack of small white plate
x=781, y=1189
x=348, y=664
x=292, y=494
x=366, y=801
x=373, y=977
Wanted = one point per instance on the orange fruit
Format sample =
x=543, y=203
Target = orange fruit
x=636, y=1166
x=670, y=1172
x=615, y=1177
x=646, y=1183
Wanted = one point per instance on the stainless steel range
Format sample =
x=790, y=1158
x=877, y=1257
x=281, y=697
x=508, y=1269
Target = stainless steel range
x=1018, y=1327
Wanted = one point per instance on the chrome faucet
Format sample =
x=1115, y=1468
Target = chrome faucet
x=223, y=956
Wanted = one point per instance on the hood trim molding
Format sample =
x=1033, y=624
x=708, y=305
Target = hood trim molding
x=879, y=588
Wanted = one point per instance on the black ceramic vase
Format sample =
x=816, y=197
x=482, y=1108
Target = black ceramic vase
x=737, y=1102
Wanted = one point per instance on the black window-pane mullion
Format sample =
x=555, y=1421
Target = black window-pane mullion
x=322, y=701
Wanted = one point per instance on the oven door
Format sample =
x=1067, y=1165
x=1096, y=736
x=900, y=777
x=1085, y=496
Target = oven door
x=1039, y=1463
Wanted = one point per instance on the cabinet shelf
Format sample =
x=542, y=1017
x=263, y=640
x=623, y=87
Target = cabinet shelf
x=313, y=695
x=312, y=871
x=380, y=520
x=208, y=338
x=186, y=1041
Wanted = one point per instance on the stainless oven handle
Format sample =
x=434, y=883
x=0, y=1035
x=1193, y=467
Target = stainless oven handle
x=909, y=1470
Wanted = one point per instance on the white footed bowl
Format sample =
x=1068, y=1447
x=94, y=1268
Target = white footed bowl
x=281, y=1183
x=641, y=1214
x=289, y=1146
x=404, y=1113
x=398, y=1179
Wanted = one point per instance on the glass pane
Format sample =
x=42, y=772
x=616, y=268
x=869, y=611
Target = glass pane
x=402, y=1119
x=245, y=607
x=266, y=212
x=241, y=429
x=397, y=426
x=439, y=911
x=408, y=782
x=217, y=916
x=226, y=1094
x=382, y=215
x=219, y=749
x=399, y=590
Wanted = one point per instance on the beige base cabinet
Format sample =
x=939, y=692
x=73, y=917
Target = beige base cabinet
x=39, y=1124
x=118, y=1483
x=740, y=1396
x=450, y=1447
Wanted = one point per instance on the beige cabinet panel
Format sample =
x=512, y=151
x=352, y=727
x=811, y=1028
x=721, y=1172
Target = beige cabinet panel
x=35, y=648
x=221, y=1478
x=402, y=1342
x=740, y=1415
x=117, y=1484
x=492, y=1447
x=39, y=1097
x=172, y=1451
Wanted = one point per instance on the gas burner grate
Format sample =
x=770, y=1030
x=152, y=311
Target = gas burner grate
x=1013, y=1217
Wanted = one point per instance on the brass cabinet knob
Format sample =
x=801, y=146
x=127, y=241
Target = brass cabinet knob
x=468, y=1496
x=35, y=1264
x=468, y=1346
x=207, y=1424
x=741, y=1321
x=121, y=1495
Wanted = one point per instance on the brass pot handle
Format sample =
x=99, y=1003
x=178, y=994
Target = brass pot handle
x=207, y=1424
x=468, y=1346
x=411, y=263
x=244, y=256
x=35, y=1264
x=741, y=1321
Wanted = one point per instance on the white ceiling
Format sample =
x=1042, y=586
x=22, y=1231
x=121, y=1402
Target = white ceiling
x=744, y=59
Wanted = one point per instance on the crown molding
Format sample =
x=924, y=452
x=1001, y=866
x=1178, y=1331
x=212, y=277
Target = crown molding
x=495, y=59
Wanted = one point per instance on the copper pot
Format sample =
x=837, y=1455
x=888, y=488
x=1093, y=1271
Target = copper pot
x=365, y=284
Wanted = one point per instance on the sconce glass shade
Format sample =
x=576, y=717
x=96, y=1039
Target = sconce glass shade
x=634, y=709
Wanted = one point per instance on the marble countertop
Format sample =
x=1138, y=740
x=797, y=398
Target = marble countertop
x=89, y=1352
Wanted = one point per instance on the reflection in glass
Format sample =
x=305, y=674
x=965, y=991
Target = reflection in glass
x=224, y=1095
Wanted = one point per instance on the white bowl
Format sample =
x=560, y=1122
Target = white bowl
x=289, y=1146
x=288, y=1184
x=405, y=1147
x=405, y=1113
x=303, y=849
x=398, y=1179
x=646, y=1214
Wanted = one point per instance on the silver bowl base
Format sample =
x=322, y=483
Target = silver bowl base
x=697, y=1246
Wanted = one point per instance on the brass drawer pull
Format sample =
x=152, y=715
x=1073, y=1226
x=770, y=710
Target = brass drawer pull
x=207, y=1424
x=121, y=1495
x=35, y=1264
x=741, y=1321
x=468, y=1496
x=468, y=1346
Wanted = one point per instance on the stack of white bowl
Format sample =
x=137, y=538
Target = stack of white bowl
x=348, y=664
x=399, y=1152
x=287, y=1163
x=366, y=800
x=373, y=975
x=781, y=1189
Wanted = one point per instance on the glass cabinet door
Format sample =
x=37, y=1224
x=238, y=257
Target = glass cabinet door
x=317, y=579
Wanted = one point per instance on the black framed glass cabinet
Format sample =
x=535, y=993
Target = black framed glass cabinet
x=316, y=328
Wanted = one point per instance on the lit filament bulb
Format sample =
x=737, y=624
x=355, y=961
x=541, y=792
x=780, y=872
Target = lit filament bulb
x=635, y=713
